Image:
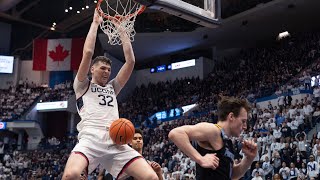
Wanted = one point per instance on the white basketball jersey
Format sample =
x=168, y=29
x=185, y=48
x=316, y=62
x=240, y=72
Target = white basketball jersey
x=97, y=105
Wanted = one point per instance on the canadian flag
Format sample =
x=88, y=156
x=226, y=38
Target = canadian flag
x=57, y=54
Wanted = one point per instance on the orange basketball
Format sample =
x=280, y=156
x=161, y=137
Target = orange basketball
x=121, y=131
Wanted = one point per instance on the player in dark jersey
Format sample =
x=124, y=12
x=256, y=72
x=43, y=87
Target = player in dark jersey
x=214, y=153
x=137, y=144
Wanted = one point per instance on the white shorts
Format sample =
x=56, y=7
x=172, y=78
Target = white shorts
x=99, y=150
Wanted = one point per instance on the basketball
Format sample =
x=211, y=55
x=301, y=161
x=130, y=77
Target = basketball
x=121, y=131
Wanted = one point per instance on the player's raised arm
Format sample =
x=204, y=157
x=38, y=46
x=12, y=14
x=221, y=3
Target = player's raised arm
x=126, y=70
x=203, y=132
x=88, y=48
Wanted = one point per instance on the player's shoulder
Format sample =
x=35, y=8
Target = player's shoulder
x=216, y=129
x=80, y=87
x=211, y=128
x=111, y=83
x=77, y=83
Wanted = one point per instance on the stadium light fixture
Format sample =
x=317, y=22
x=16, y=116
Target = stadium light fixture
x=283, y=35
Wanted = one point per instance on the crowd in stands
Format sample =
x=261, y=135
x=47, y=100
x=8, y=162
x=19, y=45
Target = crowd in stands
x=280, y=130
x=261, y=72
x=60, y=92
x=157, y=147
x=255, y=73
x=162, y=96
x=279, y=134
x=15, y=100
x=45, y=163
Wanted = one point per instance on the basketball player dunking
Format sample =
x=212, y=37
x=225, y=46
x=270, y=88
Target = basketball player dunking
x=214, y=152
x=98, y=108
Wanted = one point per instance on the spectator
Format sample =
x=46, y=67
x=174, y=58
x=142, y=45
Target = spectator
x=312, y=168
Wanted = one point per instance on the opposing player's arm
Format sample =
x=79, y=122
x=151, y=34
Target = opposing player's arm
x=205, y=132
x=88, y=48
x=157, y=169
x=250, y=150
x=126, y=70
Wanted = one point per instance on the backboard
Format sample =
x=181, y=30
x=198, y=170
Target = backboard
x=203, y=12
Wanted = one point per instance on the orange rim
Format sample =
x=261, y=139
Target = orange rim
x=118, y=17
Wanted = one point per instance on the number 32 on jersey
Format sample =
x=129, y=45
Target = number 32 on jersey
x=106, y=100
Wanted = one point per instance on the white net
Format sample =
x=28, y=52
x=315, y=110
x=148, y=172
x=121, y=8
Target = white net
x=119, y=17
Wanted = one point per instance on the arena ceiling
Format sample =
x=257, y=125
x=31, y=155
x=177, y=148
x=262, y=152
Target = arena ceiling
x=32, y=18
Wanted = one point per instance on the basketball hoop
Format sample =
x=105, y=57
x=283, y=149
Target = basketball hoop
x=119, y=17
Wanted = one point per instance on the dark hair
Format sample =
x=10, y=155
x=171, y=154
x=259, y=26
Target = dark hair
x=231, y=104
x=139, y=131
x=102, y=59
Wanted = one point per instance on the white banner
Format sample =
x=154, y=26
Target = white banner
x=183, y=64
x=52, y=105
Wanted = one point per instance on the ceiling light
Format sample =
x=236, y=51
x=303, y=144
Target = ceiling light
x=52, y=28
x=70, y=8
x=78, y=12
x=87, y=6
x=283, y=35
x=54, y=23
x=82, y=8
x=66, y=10
x=95, y=1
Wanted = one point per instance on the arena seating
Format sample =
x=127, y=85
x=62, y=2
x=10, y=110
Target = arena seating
x=254, y=73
